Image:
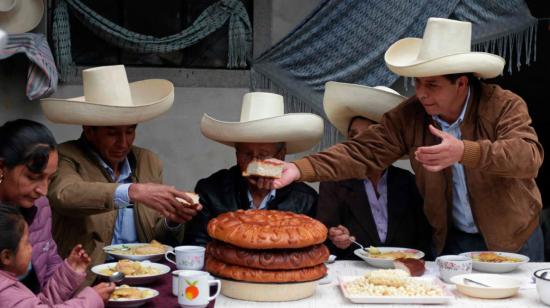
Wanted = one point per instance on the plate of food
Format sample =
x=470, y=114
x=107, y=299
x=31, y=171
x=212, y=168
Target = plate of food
x=387, y=286
x=126, y=296
x=383, y=257
x=153, y=251
x=135, y=272
x=495, y=262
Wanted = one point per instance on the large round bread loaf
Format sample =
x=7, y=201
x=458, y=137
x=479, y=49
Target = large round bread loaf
x=267, y=229
x=241, y=273
x=268, y=259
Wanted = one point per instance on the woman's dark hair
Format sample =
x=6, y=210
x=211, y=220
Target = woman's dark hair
x=355, y=118
x=26, y=142
x=12, y=226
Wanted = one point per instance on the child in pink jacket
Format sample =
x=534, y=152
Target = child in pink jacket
x=59, y=291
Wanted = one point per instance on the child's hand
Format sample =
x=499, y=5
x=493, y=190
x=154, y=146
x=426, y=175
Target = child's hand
x=78, y=259
x=104, y=290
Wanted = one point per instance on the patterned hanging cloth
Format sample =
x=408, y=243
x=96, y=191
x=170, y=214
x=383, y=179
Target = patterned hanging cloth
x=42, y=75
x=346, y=41
x=211, y=19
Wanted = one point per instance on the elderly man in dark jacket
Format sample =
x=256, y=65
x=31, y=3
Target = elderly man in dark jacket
x=264, y=131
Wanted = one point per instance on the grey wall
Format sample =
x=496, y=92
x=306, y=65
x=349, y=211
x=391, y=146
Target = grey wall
x=175, y=136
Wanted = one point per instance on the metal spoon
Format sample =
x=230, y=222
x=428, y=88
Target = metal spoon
x=468, y=280
x=116, y=277
x=356, y=243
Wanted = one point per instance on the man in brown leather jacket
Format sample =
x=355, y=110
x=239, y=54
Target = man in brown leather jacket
x=471, y=145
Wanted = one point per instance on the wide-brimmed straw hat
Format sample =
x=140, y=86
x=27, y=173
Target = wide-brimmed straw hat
x=344, y=101
x=20, y=16
x=110, y=100
x=444, y=49
x=263, y=121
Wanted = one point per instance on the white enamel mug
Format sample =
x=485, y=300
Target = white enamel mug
x=194, y=288
x=187, y=257
x=175, y=277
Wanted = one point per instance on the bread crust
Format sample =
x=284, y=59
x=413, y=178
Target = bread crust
x=268, y=259
x=267, y=229
x=240, y=273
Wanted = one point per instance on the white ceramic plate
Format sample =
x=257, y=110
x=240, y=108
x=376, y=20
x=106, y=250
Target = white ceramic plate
x=500, y=286
x=133, y=302
x=384, y=263
x=368, y=299
x=112, y=250
x=493, y=267
x=133, y=280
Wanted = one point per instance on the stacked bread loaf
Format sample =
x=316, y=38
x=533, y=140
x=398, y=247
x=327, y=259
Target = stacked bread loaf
x=266, y=246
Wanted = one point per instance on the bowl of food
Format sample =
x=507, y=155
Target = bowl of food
x=126, y=296
x=495, y=262
x=490, y=286
x=542, y=277
x=135, y=272
x=153, y=251
x=383, y=257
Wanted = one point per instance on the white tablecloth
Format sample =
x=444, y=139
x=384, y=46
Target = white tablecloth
x=329, y=295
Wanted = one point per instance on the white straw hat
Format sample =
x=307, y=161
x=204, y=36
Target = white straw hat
x=344, y=101
x=444, y=49
x=263, y=121
x=20, y=16
x=109, y=99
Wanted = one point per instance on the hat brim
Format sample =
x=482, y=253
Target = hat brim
x=402, y=59
x=24, y=16
x=151, y=98
x=299, y=131
x=343, y=101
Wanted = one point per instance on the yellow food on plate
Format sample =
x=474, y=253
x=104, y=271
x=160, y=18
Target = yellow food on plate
x=131, y=268
x=388, y=282
x=493, y=258
x=127, y=292
x=152, y=248
x=389, y=255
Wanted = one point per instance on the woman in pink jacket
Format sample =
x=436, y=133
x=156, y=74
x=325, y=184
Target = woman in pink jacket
x=60, y=289
x=28, y=158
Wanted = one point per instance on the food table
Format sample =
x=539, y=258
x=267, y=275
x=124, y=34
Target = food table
x=329, y=295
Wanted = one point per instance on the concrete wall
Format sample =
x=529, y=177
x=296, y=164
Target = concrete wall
x=175, y=136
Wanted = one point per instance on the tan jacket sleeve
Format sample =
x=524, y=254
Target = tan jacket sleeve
x=515, y=152
x=70, y=195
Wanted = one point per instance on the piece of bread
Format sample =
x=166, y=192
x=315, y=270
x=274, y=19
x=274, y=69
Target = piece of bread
x=267, y=229
x=241, y=273
x=268, y=259
x=262, y=168
x=193, y=196
x=412, y=266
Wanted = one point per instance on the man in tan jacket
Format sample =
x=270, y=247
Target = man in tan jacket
x=470, y=144
x=108, y=191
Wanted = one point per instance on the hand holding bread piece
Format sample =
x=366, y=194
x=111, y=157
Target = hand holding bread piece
x=264, y=168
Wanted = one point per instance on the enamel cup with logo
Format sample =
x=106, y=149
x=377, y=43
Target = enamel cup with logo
x=194, y=289
x=187, y=257
x=452, y=265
